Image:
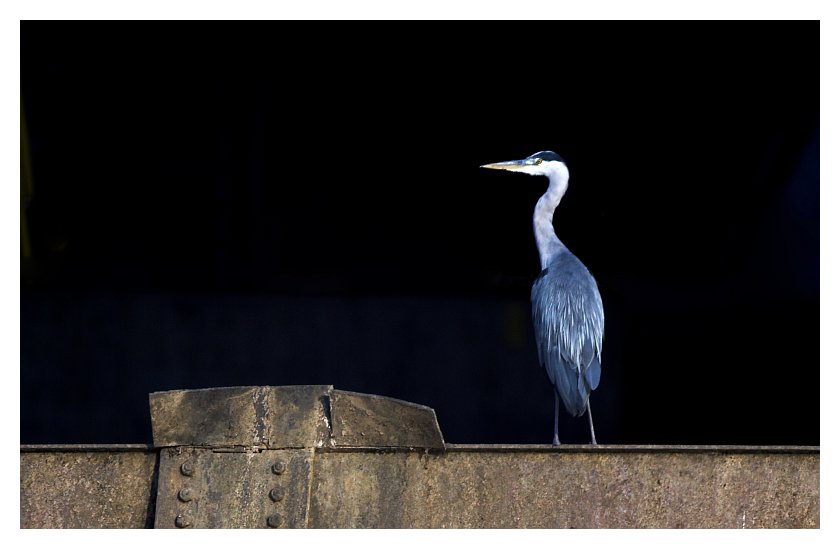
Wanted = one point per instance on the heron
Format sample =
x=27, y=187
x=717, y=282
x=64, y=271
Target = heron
x=566, y=305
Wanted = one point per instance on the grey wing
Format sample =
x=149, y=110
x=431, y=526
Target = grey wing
x=569, y=327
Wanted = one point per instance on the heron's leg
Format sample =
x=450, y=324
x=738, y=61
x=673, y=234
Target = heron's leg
x=556, y=441
x=591, y=427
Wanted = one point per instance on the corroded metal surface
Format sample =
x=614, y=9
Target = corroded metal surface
x=465, y=487
x=87, y=489
x=303, y=416
x=360, y=420
x=635, y=448
x=237, y=416
x=563, y=489
x=311, y=456
x=297, y=416
x=85, y=447
x=200, y=488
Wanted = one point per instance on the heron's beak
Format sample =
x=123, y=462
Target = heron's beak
x=511, y=165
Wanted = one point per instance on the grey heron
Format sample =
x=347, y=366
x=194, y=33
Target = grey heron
x=565, y=303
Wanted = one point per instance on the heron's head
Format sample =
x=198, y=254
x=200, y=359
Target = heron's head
x=545, y=163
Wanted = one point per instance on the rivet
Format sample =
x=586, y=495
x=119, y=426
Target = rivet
x=277, y=467
x=274, y=520
x=276, y=494
x=182, y=521
x=187, y=469
x=185, y=494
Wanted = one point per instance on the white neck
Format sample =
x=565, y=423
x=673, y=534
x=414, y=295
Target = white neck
x=547, y=242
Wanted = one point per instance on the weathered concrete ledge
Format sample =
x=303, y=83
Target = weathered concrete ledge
x=314, y=457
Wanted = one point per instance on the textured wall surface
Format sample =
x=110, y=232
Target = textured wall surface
x=296, y=416
x=233, y=489
x=316, y=457
x=511, y=488
x=473, y=487
x=98, y=488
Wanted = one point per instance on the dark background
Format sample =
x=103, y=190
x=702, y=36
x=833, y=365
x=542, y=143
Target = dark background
x=225, y=204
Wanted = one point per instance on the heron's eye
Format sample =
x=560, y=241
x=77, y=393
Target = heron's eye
x=538, y=161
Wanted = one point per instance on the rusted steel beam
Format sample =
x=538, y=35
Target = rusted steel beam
x=85, y=486
x=315, y=457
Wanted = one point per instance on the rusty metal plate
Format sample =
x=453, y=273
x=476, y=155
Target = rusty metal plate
x=300, y=416
x=202, y=488
x=508, y=488
x=86, y=489
x=360, y=420
x=296, y=416
x=262, y=417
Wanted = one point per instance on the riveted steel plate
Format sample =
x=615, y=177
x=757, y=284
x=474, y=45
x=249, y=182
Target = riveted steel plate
x=267, y=489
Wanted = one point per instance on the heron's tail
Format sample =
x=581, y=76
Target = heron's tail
x=570, y=384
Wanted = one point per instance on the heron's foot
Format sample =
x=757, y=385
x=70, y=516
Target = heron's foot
x=556, y=441
x=594, y=442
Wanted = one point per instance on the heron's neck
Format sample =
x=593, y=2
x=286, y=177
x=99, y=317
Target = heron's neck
x=547, y=242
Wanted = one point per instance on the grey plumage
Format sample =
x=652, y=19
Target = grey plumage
x=567, y=310
x=569, y=326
